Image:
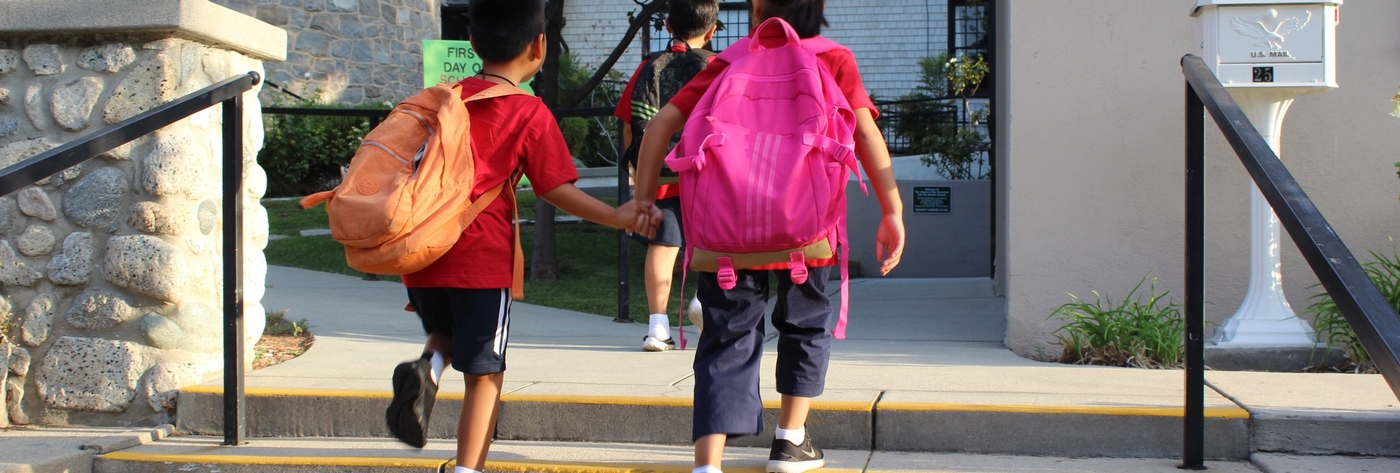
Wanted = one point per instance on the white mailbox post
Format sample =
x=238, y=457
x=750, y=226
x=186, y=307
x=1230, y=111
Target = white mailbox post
x=1266, y=53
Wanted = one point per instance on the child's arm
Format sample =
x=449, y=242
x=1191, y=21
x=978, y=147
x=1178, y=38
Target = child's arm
x=650, y=156
x=875, y=158
x=630, y=216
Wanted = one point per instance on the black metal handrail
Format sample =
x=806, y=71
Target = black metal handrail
x=229, y=93
x=1360, y=302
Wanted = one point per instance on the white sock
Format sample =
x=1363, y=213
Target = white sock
x=463, y=469
x=706, y=469
x=660, y=327
x=796, y=436
x=438, y=365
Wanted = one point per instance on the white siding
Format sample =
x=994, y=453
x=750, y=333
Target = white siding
x=593, y=29
x=888, y=37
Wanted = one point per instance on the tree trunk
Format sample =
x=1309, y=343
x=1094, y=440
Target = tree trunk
x=545, y=261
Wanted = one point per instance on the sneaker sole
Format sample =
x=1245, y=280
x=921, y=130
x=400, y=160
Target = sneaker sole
x=794, y=467
x=401, y=419
x=655, y=346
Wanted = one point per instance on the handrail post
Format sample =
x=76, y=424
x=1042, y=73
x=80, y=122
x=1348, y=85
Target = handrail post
x=234, y=406
x=1193, y=439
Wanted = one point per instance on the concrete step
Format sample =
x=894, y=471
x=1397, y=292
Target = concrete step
x=353, y=455
x=1279, y=463
x=855, y=421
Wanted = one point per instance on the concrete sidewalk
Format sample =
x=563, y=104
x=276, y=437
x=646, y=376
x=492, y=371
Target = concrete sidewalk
x=923, y=355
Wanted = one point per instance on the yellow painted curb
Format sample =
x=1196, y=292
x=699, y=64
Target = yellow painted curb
x=498, y=465
x=1210, y=412
x=296, y=392
x=276, y=460
x=857, y=406
x=567, y=467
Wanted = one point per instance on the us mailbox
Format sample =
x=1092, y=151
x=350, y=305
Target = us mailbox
x=1278, y=43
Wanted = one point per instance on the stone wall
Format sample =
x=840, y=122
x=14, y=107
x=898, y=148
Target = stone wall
x=353, y=51
x=110, y=271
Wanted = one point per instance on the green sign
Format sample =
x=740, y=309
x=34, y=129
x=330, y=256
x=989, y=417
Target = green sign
x=933, y=199
x=446, y=62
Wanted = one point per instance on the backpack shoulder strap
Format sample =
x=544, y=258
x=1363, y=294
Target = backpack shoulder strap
x=498, y=90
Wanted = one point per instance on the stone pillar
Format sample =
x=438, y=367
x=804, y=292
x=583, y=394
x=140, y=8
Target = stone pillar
x=111, y=271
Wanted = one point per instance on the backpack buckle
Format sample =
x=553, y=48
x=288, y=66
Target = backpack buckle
x=797, y=261
x=727, y=277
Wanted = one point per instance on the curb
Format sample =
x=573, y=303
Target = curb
x=1100, y=431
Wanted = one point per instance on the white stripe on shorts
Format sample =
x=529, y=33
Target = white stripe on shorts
x=503, y=323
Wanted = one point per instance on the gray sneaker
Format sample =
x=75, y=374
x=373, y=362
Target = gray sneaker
x=785, y=457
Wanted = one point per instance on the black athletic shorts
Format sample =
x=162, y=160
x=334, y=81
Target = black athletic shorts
x=477, y=319
x=669, y=233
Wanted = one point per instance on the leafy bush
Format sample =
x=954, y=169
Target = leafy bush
x=593, y=141
x=930, y=116
x=302, y=154
x=1333, y=327
x=1133, y=332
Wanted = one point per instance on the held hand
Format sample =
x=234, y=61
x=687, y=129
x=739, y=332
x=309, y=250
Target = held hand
x=889, y=239
x=637, y=217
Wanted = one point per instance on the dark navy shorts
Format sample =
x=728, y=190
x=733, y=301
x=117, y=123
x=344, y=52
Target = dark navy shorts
x=477, y=319
x=731, y=346
x=669, y=233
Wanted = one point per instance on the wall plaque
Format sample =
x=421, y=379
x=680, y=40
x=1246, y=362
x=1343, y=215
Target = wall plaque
x=933, y=199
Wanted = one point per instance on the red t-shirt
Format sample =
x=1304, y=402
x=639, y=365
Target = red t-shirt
x=507, y=132
x=624, y=113
x=842, y=65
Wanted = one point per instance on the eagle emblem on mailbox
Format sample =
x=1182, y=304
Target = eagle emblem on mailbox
x=1272, y=37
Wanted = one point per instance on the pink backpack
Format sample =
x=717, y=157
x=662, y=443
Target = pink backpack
x=764, y=160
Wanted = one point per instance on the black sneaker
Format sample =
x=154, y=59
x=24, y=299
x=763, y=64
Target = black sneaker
x=414, y=393
x=785, y=457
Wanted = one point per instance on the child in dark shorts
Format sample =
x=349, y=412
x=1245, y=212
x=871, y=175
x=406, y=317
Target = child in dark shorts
x=693, y=23
x=464, y=298
x=727, y=397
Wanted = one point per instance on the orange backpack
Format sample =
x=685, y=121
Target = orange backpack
x=407, y=196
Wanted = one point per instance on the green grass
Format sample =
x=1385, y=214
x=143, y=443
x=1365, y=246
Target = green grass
x=587, y=256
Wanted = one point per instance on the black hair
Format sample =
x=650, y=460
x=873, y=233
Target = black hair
x=692, y=18
x=807, y=17
x=502, y=29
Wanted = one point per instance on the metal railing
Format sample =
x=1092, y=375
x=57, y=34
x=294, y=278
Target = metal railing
x=229, y=93
x=1358, y=299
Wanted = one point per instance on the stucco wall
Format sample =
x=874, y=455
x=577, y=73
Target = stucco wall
x=1092, y=99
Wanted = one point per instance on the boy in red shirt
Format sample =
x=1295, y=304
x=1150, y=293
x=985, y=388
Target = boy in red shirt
x=660, y=76
x=463, y=299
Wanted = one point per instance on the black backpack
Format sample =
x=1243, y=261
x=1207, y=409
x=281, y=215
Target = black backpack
x=662, y=75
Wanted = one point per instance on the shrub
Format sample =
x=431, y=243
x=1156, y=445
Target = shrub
x=594, y=140
x=1333, y=327
x=1133, y=332
x=302, y=154
x=930, y=116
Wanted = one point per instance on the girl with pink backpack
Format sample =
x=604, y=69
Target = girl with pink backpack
x=772, y=130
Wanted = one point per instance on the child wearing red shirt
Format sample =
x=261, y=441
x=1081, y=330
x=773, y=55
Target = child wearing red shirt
x=464, y=298
x=727, y=400
x=693, y=24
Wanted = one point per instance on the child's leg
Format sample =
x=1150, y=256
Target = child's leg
x=804, y=343
x=481, y=329
x=477, y=425
x=661, y=264
x=726, y=363
x=709, y=450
